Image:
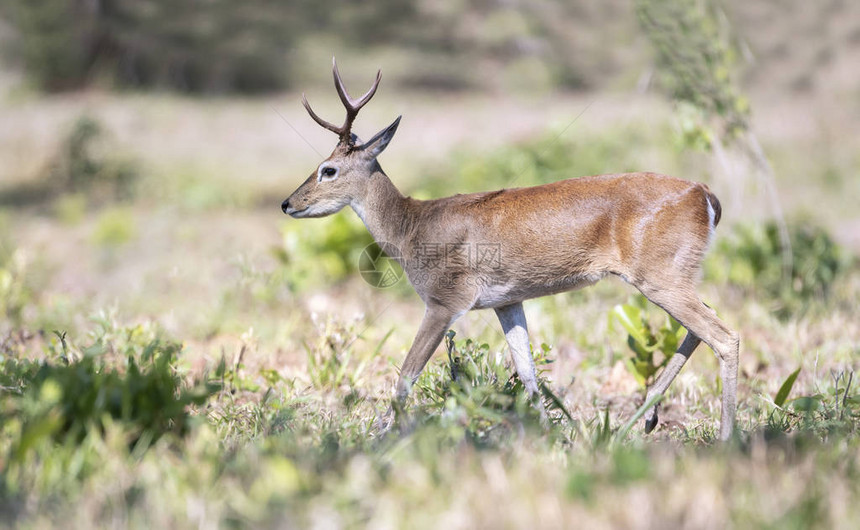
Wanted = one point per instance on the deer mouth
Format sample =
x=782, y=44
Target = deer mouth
x=292, y=212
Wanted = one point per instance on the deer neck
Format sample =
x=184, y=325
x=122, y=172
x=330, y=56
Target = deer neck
x=385, y=212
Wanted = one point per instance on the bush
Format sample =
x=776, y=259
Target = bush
x=751, y=258
x=125, y=377
x=83, y=164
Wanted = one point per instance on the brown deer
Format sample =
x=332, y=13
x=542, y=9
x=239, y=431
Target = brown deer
x=496, y=249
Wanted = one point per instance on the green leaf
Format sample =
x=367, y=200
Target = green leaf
x=806, y=403
x=630, y=318
x=785, y=389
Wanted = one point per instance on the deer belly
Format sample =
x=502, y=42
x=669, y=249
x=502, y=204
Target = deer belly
x=500, y=294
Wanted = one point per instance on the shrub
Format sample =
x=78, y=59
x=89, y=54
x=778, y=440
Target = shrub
x=84, y=169
x=83, y=164
x=125, y=377
x=751, y=258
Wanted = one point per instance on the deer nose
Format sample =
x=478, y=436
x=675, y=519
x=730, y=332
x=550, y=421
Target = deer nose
x=285, y=205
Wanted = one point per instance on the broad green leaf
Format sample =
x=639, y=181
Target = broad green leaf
x=630, y=318
x=785, y=389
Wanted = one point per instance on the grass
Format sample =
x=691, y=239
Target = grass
x=270, y=448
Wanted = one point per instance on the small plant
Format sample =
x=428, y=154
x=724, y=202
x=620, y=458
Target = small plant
x=651, y=348
x=331, y=360
x=476, y=395
x=824, y=413
x=115, y=228
x=15, y=290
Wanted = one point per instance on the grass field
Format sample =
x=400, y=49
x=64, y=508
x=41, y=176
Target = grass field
x=175, y=352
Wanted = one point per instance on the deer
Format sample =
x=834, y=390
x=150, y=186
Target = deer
x=648, y=229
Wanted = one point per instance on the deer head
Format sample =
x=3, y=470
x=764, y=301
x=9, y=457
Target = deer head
x=341, y=177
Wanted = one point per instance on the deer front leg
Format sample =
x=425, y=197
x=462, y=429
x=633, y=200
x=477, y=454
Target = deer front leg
x=436, y=322
x=513, y=320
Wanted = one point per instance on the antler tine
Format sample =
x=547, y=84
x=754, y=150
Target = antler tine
x=338, y=84
x=371, y=91
x=328, y=125
x=352, y=105
x=348, y=102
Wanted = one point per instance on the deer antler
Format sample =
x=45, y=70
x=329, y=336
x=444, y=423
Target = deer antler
x=352, y=106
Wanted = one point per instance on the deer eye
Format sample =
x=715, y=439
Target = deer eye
x=327, y=173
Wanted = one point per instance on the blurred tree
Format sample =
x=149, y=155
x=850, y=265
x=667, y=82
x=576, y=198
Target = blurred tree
x=212, y=46
x=55, y=39
x=252, y=46
x=696, y=64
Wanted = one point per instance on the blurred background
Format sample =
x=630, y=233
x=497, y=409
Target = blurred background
x=146, y=147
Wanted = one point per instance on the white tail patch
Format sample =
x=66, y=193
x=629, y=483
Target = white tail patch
x=711, y=216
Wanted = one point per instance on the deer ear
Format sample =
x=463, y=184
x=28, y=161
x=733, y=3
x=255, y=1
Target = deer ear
x=376, y=145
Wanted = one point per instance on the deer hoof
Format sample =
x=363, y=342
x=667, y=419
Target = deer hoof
x=651, y=422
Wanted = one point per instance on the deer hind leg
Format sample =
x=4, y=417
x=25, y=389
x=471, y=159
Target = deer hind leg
x=673, y=367
x=702, y=324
